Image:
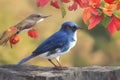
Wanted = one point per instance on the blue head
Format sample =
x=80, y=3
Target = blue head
x=69, y=27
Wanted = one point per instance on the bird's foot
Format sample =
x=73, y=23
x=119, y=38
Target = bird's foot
x=60, y=67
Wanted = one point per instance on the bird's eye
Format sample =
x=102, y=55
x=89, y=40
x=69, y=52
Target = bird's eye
x=68, y=27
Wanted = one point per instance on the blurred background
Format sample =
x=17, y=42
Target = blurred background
x=94, y=47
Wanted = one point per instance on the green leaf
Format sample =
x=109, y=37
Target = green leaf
x=102, y=3
x=63, y=12
x=117, y=13
x=105, y=21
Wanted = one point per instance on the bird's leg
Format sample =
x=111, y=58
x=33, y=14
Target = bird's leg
x=59, y=63
x=52, y=62
x=60, y=67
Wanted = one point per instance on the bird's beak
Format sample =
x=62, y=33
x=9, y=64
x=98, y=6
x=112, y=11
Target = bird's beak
x=79, y=27
x=43, y=16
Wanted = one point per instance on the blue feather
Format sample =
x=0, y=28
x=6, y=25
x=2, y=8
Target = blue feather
x=26, y=59
x=58, y=40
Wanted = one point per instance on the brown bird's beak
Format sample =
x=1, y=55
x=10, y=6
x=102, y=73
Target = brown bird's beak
x=43, y=16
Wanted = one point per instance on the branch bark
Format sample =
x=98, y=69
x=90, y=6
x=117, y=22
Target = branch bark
x=29, y=72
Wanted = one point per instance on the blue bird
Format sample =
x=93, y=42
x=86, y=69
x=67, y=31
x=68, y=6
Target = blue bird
x=56, y=45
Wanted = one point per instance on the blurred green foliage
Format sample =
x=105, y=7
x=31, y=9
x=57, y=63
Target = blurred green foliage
x=94, y=47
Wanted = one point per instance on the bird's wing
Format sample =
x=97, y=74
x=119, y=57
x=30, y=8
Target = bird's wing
x=58, y=40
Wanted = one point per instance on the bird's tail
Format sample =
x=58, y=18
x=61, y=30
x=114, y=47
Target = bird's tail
x=26, y=59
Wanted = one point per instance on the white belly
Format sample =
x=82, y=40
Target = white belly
x=72, y=44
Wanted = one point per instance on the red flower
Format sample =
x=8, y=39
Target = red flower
x=12, y=29
x=82, y=3
x=94, y=3
x=111, y=27
x=109, y=1
x=65, y=1
x=116, y=22
x=114, y=25
x=74, y=6
x=118, y=5
x=42, y=3
x=86, y=15
x=94, y=20
x=91, y=9
x=108, y=10
x=14, y=39
x=33, y=33
x=55, y=4
x=94, y=11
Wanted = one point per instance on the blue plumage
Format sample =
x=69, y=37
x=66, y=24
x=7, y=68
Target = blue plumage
x=57, y=44
x=58, y=40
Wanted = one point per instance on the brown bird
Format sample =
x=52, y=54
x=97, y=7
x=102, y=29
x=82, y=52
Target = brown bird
x=27, y=23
